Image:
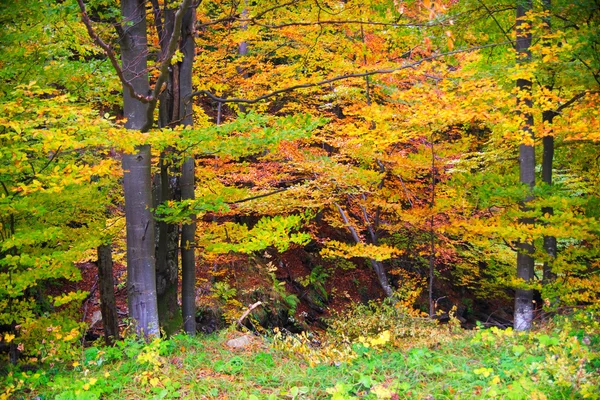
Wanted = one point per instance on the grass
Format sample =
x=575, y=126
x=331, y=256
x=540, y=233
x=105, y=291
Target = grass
x=560, y=360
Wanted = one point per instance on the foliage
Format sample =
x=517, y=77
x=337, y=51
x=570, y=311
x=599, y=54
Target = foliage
x=559, y=360
x=397, y=145
x=377, y=317
x=56, y=178
x=268, y=232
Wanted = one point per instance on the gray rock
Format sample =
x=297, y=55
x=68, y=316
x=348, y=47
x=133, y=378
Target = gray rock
x=239, y=342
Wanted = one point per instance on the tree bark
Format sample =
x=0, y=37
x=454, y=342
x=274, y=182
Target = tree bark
x=432, y=233
x=167, y=247
x=137, y=184
x=547, y=162
x=166, y=188
x=108, y=306
x=188, y=231
x=550, y=245
x=242, y=52
x=525, y=261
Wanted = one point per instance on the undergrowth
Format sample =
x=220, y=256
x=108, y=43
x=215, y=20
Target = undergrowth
x=397, y=357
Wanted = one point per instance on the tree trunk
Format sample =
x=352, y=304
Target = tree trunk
x=167, y=247
x=377, y=266
x=166, y=188
x=243, y=52
x=432, y=233
x=547, y=161
x=188, y=231
x=137, y=182
x=525, y=261
x=108, y=306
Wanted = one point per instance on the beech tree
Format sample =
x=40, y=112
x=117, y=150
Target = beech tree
x=139, y=103
x=375, y=133
x=525, y=260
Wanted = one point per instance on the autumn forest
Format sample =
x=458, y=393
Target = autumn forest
x=312, y=185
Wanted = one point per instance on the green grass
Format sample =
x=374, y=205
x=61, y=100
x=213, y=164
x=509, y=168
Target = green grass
x=558, y=361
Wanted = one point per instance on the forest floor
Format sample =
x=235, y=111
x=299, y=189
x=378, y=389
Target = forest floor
x=558, y=360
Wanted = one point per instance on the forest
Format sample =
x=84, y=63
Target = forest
x=378, y=199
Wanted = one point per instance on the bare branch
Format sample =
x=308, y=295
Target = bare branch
x=110, y=53
x=259, y=196
x=491, y=14
x=256, y=17
x=345, y=22
x=574, y=99
x=341, y=77
x=348, y=224
x=158, y=19
x=248, y=311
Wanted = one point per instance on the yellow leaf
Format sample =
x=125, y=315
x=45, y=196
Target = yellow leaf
x=8, y=337
x=154, y=381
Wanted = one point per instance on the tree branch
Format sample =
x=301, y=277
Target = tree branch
x=491, y=14
x=110, y=54
x=343, y=22
x=259, y=196
x=574, y=99
x=348, y=224
x=152, y=98
x=339, y=78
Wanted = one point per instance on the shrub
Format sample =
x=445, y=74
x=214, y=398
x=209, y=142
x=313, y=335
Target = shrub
x=376, y=317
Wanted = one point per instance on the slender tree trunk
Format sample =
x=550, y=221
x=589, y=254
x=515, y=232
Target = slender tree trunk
x=547, y=162
x=432, y=233
x=243, y=52
x=188, y=231
x=525, y=261
x=137, y=181
x=108, y=306
x=166, y=188
x=167, y=247
x=549, y=241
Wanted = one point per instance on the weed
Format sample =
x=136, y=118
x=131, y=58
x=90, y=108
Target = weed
x=560, y=360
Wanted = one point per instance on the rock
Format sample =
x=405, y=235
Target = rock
x=239, y=342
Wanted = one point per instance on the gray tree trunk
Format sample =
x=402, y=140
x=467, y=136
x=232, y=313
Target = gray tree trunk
x=108, y=306
x=166, y=188
x=137, y=184
x=525, y=261
x=188, y=231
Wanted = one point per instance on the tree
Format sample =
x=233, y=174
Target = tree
x=139, y=103
x=561, y=72
x=55, y=179
x=525, y=260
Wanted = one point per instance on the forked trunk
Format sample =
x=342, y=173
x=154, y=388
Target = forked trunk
x=137, y=183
